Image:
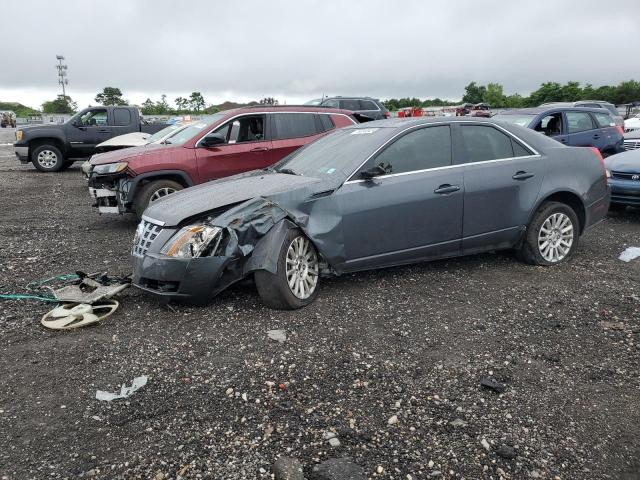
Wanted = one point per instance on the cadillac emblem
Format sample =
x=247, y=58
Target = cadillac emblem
x=635, y=177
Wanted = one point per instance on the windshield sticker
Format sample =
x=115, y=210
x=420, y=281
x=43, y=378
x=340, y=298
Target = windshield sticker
x=363, y=131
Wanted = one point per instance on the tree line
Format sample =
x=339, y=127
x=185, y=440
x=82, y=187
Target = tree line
x=493, y=94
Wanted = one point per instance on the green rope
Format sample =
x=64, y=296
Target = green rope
x=19, y=296
x=37, y=289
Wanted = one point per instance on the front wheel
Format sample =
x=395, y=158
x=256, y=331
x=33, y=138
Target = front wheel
x=47, y=158
x=296, y=282
x=552, y=235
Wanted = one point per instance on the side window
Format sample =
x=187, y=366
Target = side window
x=603, y=120
x=333, y=103
x=243, y=129
x=418, y=150
x=579, y=122
x=519, y=150
x=551, y=125
x=294, y=125
x=121, y=117
x=350, y=104
x=326, y=122
x=94, y=118
x=485, y=143
x=367, y=105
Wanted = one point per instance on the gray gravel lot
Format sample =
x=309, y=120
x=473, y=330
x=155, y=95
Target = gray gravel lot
x=225, y=401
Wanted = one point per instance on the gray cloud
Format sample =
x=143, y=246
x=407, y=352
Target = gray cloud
x=301, y=49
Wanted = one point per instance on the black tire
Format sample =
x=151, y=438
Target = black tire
x=531, y=251
x=274, y=289
x=47, y=158
x=143, y=198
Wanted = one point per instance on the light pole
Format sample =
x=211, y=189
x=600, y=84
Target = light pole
x=62, y=73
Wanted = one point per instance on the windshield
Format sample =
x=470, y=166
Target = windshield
x=519, y=119
x=163, y=133
x=336, y=154
x=315, y=101
x=194, y=129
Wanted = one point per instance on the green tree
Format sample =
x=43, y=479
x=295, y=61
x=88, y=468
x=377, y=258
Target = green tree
x=60, y=105
x=182, y=104
x=627, y=92
x=148, y=107
x=196, y=101
x=162, y=107
x=494, y=95
x=474, y=93
x=548, y=92
x=110, y=96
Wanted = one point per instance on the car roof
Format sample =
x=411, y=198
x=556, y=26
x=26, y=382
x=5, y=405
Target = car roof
x=547, y=108
x=287, y=108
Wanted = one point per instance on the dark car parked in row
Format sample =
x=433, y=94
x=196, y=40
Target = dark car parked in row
x=610, y=107
x=366, y=107
x=371, y=196
x=54, y=147
x=577, y=127
x=624, y=172
x=217, y=146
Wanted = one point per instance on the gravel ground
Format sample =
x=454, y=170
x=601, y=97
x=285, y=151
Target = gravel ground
x=390, y=362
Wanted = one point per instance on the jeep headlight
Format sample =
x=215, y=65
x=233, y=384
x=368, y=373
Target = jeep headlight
x=193, y=241
x=19, y=135
x=109, y=168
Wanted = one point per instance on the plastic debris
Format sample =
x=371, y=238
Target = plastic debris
x=277, y=335
x=491, y=384
x=125, y=391
x=88, y=291
x=74, y=315
x=629, y=254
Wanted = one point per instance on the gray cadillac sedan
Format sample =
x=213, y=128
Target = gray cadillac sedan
x=372, y=196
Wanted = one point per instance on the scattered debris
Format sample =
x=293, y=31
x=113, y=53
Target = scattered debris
x=491, y=384
x=287, y=468
x=485, y=444
x=506, y=451
x=393, y=420
x=338, y=469
x=332, y=439
x=74, y=315
x=277, y=335
x=125, y=391
x=90, y=291
x=458, y=422
x=629, y=254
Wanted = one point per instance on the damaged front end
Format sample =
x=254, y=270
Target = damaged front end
x=197, y=261
x=109, y=187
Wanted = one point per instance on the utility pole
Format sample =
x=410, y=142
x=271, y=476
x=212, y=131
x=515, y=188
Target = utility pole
x=62, y=73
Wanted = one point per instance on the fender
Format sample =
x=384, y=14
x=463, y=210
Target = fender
x=582, y=216
x=41, y=135
x=134, y=181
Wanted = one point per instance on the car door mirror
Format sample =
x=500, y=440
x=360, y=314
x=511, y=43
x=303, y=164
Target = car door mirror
x=212, y=140
x=376, y=171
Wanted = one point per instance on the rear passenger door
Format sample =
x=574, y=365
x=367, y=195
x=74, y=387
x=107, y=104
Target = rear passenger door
x=582, y=130
x=292, y=130
x=502, y=179
x=123, y=122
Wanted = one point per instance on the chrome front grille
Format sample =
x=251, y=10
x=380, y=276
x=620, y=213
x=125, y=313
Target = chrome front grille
x=626, y=175
x=146, y=233
x=632, y=144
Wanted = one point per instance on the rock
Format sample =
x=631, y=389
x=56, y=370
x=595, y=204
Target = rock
x=393, y=420
x=485, y=444
x=287, y=468
x=338, y=469
x=491, y=384
x=380, y=470
x=430, y=464
x=277, y=335
x=506, y=451
x=458, y=422
x=334, y=442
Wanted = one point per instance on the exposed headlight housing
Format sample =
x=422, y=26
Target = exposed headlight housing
x=192, y=241
x=18, y=135
x=109, y=168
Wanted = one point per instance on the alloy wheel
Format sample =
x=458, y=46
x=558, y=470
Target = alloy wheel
x=302, y=268
x=162, y=192
x=47, y=159
x=555, y=237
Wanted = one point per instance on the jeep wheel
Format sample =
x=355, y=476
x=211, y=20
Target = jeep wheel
x=296, y=282
x=153, y=191
x=47, y=158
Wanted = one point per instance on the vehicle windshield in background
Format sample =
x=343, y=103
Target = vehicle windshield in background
x=315, y=101
x=522, y=120
x=163, y=133
x=336, y=154
x=195, y=128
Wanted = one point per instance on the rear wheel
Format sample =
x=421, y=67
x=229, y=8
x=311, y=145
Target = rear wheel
x=47, y=158
x=152, y=192
x=552, y=235
x=296, y=282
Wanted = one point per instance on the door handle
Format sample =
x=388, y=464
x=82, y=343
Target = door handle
x=259, y=149
x=446, y=188
x=522, y=175
x=596, y=136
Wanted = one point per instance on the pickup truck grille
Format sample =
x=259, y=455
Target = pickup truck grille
x=626, y=176
x=146, y=233
x=632, y=144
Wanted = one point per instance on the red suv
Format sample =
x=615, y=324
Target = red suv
x=224, y=144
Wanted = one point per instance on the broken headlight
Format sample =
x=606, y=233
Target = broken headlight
x=192, y=241
x=109, y=168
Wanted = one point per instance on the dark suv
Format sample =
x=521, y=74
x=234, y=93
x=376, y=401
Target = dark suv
x=366, y=107
x=224, y=144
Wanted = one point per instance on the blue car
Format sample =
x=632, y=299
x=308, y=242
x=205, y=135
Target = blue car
x=573, y=126
x=624, y=172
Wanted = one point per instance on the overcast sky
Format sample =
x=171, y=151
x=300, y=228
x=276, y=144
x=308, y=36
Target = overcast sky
x=296, y=50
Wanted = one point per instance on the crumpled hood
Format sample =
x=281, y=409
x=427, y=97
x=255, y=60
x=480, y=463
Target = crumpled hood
x=626, y=162
x=128, y=153
x=203, y=198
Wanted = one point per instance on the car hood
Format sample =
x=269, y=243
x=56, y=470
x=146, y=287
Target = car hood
x=128, y=153
x=200, y=200
x=133, y=139
x=626, y=162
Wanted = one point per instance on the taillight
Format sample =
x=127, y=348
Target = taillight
x=386, y=114
x=604, y=167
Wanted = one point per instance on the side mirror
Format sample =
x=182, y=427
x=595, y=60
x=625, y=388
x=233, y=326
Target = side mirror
x=212, y=140
x=376, y=171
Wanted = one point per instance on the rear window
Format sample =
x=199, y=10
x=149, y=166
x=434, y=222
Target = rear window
x=294, y=125
x=121, y=117
x=368, y=105
x=579, y=122
x=350, y=104
x=603, y=120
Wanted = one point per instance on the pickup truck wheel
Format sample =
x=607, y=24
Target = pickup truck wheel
x=47, y=158
x=296, y=283
x=153, y=191
x=552, y=236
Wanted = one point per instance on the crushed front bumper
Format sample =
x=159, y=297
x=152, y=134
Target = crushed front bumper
x=110, y=194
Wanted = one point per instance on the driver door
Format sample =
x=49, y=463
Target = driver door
x=90, y=129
